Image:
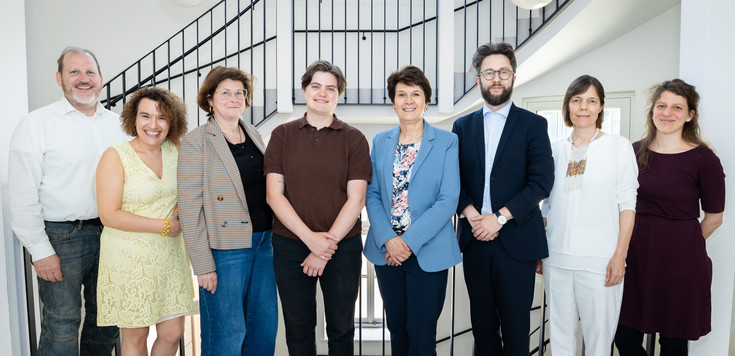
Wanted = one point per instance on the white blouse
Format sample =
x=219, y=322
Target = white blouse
x=583, y=225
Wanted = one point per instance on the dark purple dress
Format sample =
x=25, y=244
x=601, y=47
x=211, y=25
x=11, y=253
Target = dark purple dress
x=668, y=273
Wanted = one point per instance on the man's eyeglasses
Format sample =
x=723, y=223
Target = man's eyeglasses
x=237, y=94
x=503, y=74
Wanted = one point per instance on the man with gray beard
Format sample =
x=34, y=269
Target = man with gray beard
x=506, y=169
x=53, y=206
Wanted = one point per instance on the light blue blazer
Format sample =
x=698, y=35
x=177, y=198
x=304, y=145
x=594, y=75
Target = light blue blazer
x=433, y=193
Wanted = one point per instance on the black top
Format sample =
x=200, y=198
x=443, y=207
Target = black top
x=250, y=164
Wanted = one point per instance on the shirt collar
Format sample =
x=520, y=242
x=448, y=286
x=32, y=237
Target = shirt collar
x=69, y=108
x=503, y=111
x=336, y=124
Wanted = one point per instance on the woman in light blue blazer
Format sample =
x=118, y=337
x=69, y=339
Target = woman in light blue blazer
x=410, y=203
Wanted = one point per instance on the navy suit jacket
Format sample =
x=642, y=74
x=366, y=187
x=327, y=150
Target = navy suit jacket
x=522, y=176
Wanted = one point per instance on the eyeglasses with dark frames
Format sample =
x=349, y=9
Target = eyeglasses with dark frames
x=503, y=74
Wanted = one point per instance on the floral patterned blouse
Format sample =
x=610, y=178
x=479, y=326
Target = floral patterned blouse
x=402, y=165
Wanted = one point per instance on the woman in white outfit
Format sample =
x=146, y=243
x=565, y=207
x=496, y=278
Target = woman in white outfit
x=590, y=214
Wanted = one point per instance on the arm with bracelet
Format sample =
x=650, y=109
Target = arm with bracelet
x=110, y=181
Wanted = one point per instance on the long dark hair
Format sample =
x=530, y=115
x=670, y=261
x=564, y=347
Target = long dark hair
x=690, y=133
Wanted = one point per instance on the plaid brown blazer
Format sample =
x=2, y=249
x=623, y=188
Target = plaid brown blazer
x=212, y=206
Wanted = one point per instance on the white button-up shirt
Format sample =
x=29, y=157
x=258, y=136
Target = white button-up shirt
x=53, y=159
x=493, y=122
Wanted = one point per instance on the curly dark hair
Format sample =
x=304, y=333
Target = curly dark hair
x=216, y=76
x=168, y=104
x=690, y=133
x=409, y=75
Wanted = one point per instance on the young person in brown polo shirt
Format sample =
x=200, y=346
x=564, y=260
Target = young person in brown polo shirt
x=317, y=170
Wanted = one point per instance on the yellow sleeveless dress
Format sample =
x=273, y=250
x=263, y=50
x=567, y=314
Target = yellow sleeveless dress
x=144, y=278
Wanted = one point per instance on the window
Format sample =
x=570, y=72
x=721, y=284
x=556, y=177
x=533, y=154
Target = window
x=617, y=114
x=369, y=304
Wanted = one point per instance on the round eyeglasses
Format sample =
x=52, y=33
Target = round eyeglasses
x=503, y=74
x=237, y=94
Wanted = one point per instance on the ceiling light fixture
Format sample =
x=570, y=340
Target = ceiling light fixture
x=187, y=3
x=531, y=4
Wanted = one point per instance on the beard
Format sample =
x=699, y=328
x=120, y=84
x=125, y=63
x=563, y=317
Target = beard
x=73, y=98
x=495, y=100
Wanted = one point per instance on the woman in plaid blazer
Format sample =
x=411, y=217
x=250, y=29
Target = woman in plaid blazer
x=226, y=221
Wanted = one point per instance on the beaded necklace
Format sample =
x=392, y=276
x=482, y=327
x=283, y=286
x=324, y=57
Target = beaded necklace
x=577, y=164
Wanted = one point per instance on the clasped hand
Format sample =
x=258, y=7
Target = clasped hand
x=322, y=246
x=485, y=227
x=397, y=251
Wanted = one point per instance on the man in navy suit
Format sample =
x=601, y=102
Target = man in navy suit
x=506, y=169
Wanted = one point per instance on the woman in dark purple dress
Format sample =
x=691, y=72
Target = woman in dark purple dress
x=667, y=284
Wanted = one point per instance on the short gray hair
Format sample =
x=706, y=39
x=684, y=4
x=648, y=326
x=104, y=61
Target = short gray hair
x=67, y=50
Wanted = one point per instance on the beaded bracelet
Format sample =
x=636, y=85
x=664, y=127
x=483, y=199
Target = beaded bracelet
x=167, y=228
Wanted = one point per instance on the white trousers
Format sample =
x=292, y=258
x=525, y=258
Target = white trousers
x=575, y=296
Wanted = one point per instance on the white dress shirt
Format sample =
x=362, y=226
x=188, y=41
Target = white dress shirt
x=493, y=123
x=53, y=159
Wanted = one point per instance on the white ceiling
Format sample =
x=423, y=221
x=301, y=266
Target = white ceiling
x=582, y=27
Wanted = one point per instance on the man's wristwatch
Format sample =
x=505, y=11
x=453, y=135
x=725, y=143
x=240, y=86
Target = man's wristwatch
x=501, y=219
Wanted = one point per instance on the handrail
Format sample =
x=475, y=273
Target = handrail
x=115, y=98
x=183, y=57
x=176, y=60
x=464, y=81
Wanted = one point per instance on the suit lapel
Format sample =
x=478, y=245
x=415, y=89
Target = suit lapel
x=477, y=125
x=425, y=147
x=507, y=129
x=387, y=153
x=252, y=134
x=217, y=138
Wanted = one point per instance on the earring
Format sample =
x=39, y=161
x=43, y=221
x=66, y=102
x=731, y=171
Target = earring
x=210, y=110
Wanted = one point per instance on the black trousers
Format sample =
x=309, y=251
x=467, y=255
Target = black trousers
x=501, y=292
x=629, y=342
x=413, y=301
x=339, y=283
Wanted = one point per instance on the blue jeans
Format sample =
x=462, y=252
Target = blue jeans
x=339, y=282
x=241, y=317
x=78, y=247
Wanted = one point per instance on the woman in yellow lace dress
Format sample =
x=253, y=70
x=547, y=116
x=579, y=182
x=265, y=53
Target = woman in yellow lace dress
x=144, y=274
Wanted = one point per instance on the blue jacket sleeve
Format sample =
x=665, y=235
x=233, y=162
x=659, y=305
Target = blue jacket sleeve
x=379, y=222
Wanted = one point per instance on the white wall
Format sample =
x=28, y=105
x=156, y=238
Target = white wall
x=632, y=62
x=15, y=103
x=118, y=32
x=690, y=41
x=706, y=61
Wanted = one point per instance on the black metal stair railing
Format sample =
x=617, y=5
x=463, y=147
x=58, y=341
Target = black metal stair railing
x=231, y=33
x=370, y=39
x=367, y=40
x=505, y=22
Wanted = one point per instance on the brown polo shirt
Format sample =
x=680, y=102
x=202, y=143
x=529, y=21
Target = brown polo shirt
x=316, y=165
